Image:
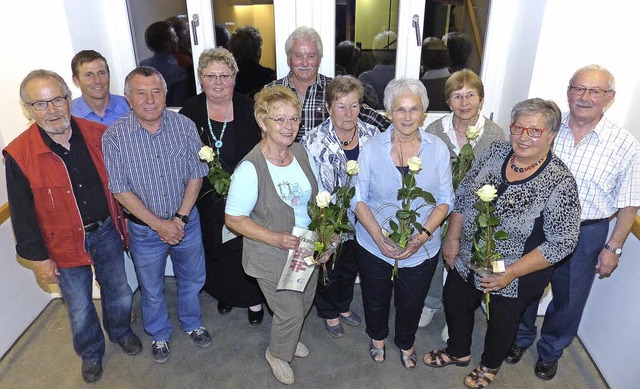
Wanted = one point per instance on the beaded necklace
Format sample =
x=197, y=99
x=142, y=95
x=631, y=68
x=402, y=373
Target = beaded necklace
x=348, y=142
x=524, y=169
x=218, y=142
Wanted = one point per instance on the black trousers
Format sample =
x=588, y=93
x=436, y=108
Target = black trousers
x=336, y=297
x=461, y=299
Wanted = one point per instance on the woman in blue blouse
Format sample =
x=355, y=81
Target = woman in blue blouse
x=383, y=162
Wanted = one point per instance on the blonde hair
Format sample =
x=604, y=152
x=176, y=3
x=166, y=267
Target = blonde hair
x=269, y=97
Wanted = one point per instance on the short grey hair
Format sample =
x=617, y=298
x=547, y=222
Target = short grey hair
x=550, y=112
x=398, y=86
x=303, y=32
x=144, y=71
x=39, y=74
x=612, y=80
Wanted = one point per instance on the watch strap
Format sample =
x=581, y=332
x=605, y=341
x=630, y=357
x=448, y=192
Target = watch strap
x=615, y=250
x=184, y=218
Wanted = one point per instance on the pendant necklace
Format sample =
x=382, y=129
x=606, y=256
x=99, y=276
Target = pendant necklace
x=347, y=143
x=281, y=160
x=218, y=142
x=524, y=169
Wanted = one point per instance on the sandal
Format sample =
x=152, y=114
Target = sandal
x=437, y=359
x=408, y=358
x=478, y=378
x=376, y=352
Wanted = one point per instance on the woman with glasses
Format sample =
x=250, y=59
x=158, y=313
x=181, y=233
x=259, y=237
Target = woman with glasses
x=268, y=196
x=384, y=163
x=331, y=145
x=464, y=93
x=225, y=121
x=538, y=207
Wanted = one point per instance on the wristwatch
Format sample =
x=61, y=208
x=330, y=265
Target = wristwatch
x=184, y=218
x=615, y=250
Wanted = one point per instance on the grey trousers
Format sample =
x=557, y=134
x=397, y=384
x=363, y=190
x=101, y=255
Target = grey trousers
x=289, y=311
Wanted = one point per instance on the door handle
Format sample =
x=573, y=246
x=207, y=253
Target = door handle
x=416, y=25
x=195, y=22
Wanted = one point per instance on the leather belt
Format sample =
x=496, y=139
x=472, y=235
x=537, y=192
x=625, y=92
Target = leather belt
x=585, y=223
x=133, y=219
x=91, y=227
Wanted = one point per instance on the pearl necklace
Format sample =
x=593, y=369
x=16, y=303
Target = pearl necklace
x=218, y=142
x=524, y=169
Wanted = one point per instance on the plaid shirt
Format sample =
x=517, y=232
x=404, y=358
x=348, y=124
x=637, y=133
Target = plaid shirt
x=606, y=166
x=314, y=112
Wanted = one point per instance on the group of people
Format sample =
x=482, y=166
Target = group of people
x=101, y=173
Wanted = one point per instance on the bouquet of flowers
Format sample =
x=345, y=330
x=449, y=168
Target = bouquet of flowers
x=462, y=164
x=485, y=259
x=219, y=178
x=329, y=219
x=407, y=219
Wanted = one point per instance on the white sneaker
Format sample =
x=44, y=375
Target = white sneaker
x=280, y=369
x=426, y=316
x=301, y=350
x=445, y=333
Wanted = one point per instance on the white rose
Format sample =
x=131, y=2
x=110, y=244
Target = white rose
x=415, y=164
x=472, y=132
x=323, y=199
x=487, y=193
x=206, y=154
x=352, y=167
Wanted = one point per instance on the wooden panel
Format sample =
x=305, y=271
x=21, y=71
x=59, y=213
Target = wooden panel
x=4, y=212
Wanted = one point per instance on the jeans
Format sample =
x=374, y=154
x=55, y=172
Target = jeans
x=149, y=256
x=106, y=249
x=409, y=291
x=336, y=297
x=571, y=283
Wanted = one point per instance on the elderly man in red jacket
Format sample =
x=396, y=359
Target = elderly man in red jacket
x=65, y=219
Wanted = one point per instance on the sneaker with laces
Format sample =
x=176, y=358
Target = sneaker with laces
x=200, y=337
x=160, y=351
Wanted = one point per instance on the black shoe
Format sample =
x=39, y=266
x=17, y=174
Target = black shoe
x=92, y=371
x=546, y=370
x=255, y=318
x=131, y=346
x=224, y=308
x=515, y=354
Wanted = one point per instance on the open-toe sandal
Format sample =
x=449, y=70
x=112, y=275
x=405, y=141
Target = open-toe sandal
x=406, y=359
x=437, y=359
x=478, y=378
x=376, y=352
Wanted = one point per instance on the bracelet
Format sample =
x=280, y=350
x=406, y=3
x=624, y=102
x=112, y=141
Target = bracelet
x=427, y=232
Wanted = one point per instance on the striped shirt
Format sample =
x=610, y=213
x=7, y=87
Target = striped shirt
x=606, y=166
x=314, y=111
x=155, y=167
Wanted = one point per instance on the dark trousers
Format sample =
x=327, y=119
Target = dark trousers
x=409, y=291
x=461, y=299
x=571, y=283
x=335, y=297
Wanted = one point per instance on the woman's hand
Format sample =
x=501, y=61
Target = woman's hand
x=387, y=247
x=450, y=251
x=285, y=241
x=497, y=281
x=414, y=244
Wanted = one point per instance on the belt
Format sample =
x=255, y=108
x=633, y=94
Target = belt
x=585, y=223
x=133, y=219
x=91, y=227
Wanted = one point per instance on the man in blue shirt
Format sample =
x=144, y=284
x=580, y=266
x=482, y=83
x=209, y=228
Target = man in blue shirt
x=91, y=74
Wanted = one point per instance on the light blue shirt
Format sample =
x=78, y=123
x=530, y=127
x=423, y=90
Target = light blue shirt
x=379, y=181
x=291, y=184
x=117, y=107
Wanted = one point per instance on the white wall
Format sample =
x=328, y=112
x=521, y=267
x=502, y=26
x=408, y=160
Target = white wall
x=533, y=49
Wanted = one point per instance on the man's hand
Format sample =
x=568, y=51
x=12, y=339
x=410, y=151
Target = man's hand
x=607, y=263
x=170, y=231
x=46, y=271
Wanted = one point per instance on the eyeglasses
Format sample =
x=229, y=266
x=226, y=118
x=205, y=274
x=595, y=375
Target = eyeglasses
x=42, y=105
x=579, y=91
x=460, y=97
x=281, y=121
x=218, y=77
x=413, y=111
x=532, y=132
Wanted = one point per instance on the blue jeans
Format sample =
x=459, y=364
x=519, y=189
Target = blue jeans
x=106, y=248
x=149, y=256
x=571, y=283
x=409, y=291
